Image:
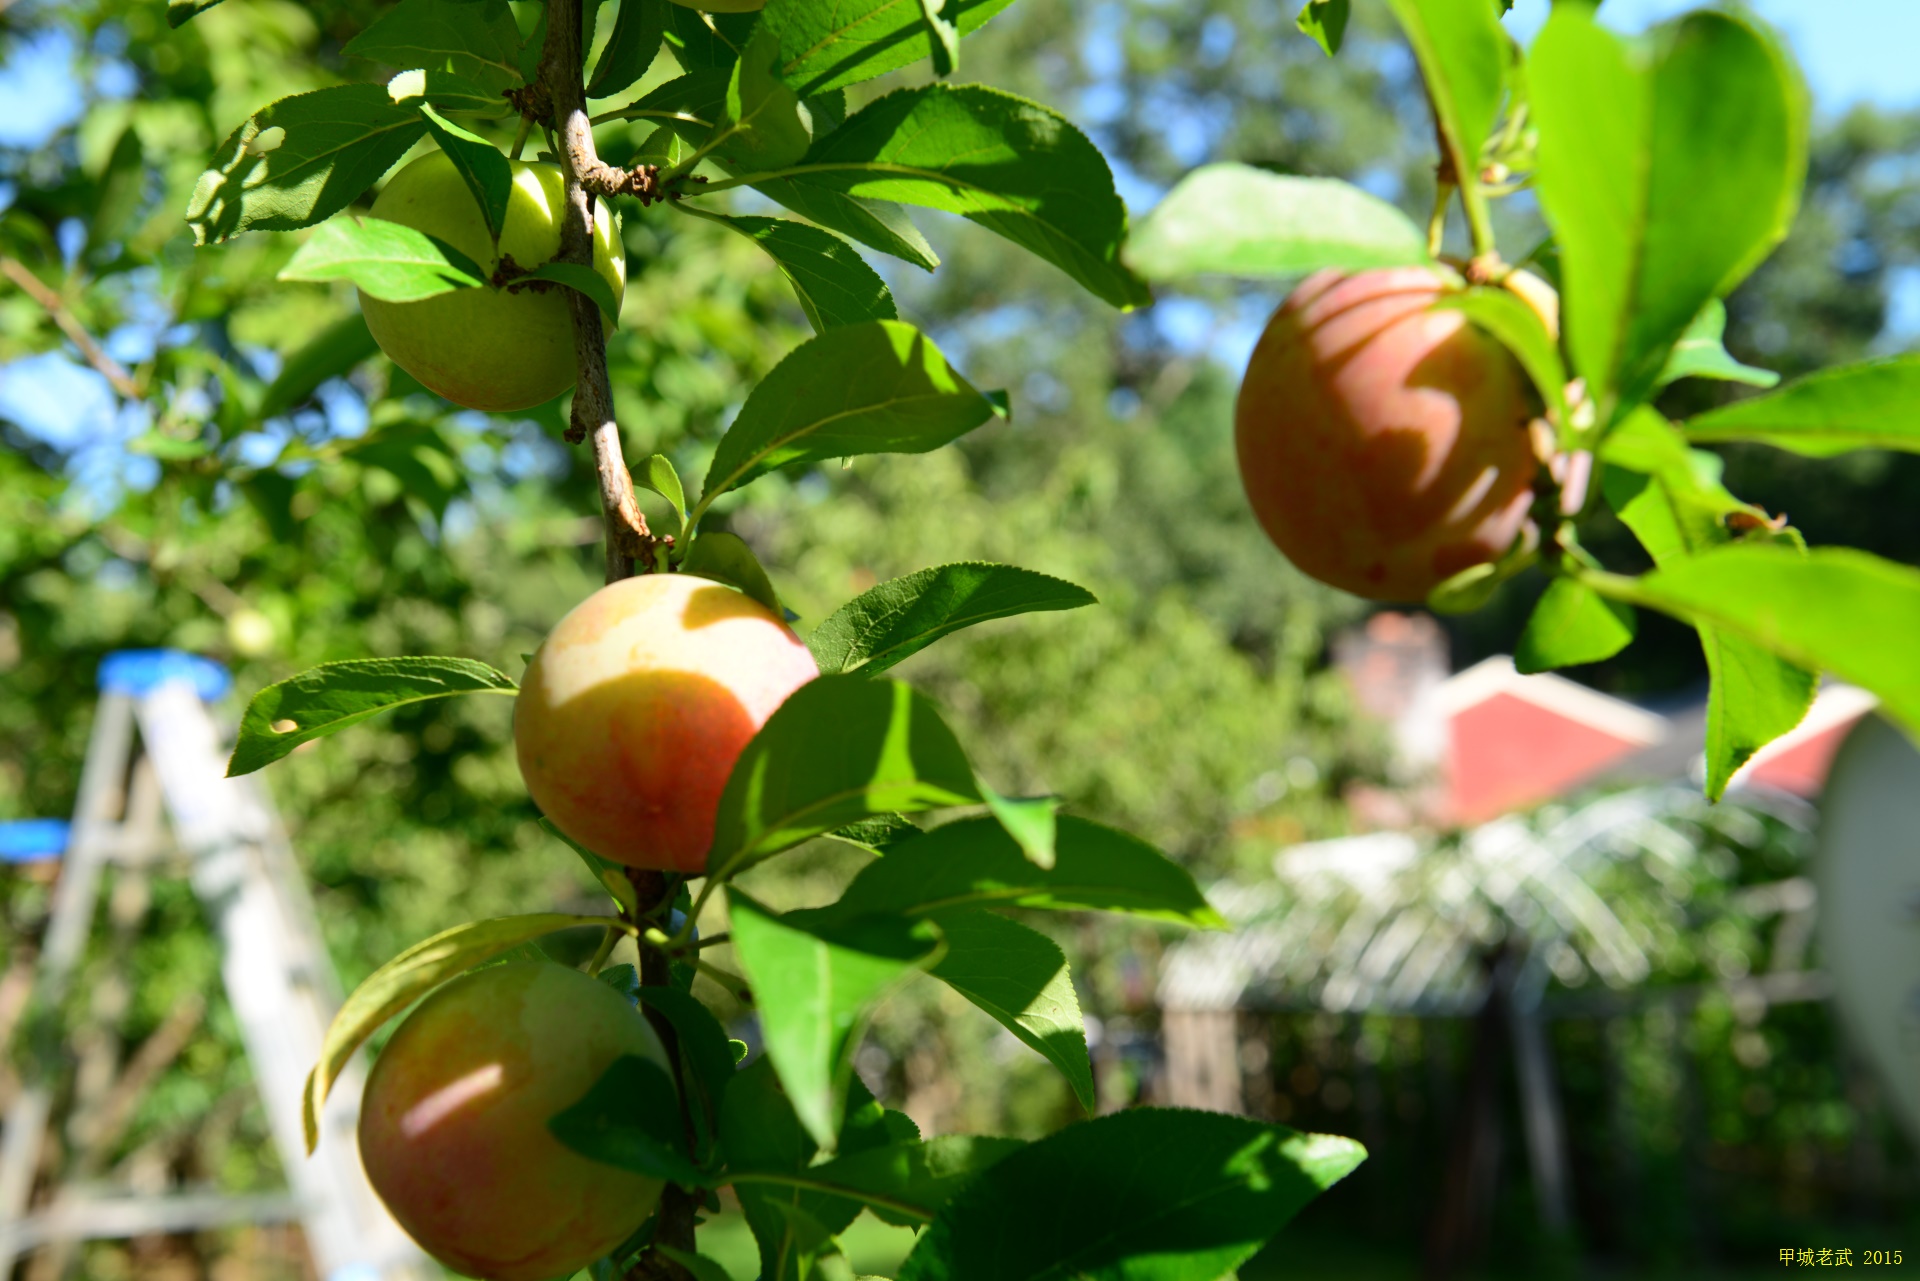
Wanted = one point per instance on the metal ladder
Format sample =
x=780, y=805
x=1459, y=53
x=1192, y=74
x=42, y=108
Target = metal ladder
x=278, y=979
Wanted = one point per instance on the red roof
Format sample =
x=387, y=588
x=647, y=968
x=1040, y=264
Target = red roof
x=1798, y=761
x=1515, y=741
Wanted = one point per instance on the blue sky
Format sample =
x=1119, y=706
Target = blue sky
x=1852, y=50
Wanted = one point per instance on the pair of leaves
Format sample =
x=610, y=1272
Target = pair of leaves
x=1671, y=498
x=1667, y=174
x=1235, y=220
x=302, y=159
x=326, y=699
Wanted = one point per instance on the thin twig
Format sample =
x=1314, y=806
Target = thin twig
x=36, y=289
x=627, y=534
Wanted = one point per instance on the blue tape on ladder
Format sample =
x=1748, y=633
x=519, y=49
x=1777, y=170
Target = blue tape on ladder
x=29, y=840
x=141, y=671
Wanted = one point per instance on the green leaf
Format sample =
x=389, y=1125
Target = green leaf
x=1830, y=609
x=121, y=189
x=300, y=160
x=630, y=49
x=1020, y=977
x=1326, y=22
x=760, y=1132
x=879, y=834
x=829, y=44
x=1687, y=508
x=1753, y=697
x=1674, y=503
x=871, y=388
x=181, y=12
x=1161, y=1193
x=1520, y=330
x=327, y=699
x=331, y=353
x=877, y=224
x=706, y=40
x=761, y=126
x=1463, y=54
x=1032, y=821
x=1013, y=166
x=388, y=260
x=1235, y=220
x=901, y=617
x=658, y=474
x=945, y=45
x=1572, y=624
x=840, y=749
x=974, y=863
x=908, y=1183
x=834, y=284
x=815, y=989
x=577, y=276
x=630, y=1119
x=608, y=875
x=1871, y=405
x=487, y=173
x=1701, y=354
x=408, y=977
x=1666, y=179
x=476, y=40
x=726, y=558
x=705, y=1050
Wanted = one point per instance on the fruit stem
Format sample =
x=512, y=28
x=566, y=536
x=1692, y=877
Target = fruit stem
x=560, y=58
x=520, y=137
x=608, y=938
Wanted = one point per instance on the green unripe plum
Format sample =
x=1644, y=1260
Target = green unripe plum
x=453, y=1126
x=635, y=708
x=494, y=349
x=1383, y=442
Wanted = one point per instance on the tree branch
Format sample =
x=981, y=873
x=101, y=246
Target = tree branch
x=35, y=288
x=627, y=536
